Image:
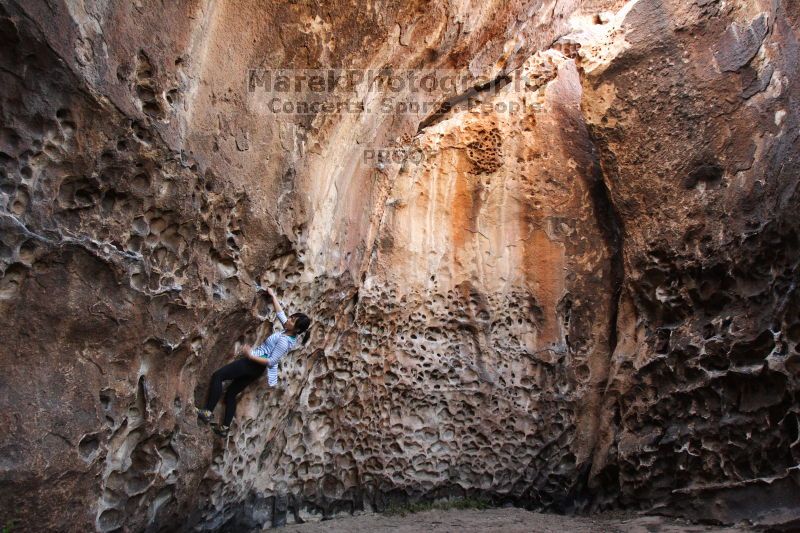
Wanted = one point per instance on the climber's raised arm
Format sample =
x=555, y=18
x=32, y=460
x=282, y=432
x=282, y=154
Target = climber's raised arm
x=277, y=305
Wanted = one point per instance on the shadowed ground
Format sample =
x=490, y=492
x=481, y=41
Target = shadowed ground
x=509, y=520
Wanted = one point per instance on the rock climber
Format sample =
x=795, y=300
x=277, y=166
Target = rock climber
x=245, y=371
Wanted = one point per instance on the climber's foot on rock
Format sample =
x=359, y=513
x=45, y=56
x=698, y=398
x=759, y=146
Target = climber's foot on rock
x=204, y=415
x=222, y=431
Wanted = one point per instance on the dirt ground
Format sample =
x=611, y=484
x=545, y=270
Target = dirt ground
x=507, y=520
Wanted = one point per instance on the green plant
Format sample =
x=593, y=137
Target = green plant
x=9, y=525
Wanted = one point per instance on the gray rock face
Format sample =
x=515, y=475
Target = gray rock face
x=580, y=293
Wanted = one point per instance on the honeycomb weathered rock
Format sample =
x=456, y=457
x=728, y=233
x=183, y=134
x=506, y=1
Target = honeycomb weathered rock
x=580, y=293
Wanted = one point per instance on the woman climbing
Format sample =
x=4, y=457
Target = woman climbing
x=245, y=371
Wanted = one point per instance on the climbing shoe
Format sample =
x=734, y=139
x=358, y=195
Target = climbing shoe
x=204, y=415
x=222, y=431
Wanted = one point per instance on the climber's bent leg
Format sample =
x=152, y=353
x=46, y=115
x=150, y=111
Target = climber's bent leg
x=238, y=386
x=237, y=369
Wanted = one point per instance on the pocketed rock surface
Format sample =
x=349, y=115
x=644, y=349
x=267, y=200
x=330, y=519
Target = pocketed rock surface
x=576, y=293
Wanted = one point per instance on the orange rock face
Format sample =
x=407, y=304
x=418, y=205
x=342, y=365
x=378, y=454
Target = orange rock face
x=563, y=275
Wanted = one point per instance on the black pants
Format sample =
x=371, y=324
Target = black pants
x=242, y=372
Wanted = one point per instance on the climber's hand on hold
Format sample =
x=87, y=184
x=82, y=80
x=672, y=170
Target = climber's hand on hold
x=275, y=303
x=246, y=350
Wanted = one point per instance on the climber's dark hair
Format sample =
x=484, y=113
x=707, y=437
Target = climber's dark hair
x=302, y=324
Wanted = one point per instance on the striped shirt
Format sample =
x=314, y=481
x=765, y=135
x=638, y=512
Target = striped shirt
x=274, y=348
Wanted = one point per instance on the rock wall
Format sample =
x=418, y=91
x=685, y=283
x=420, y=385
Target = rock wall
x=696, y=125
x=575, y=291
